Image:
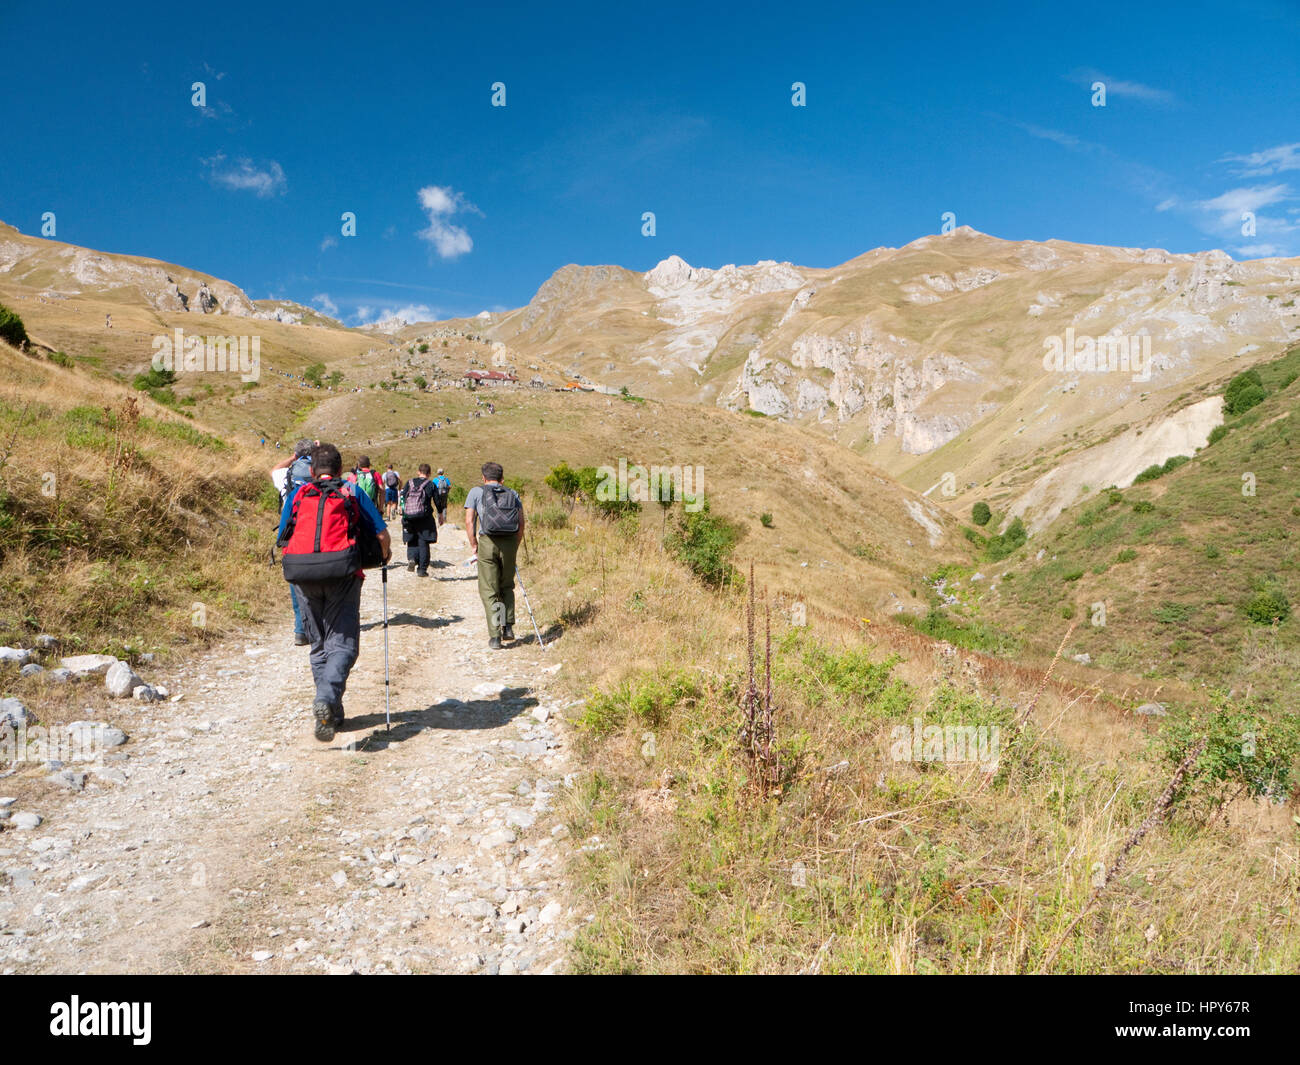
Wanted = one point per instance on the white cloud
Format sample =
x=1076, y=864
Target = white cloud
x=1269, y=161
x=1260, y=251
x=1132, y=89
x=243, y=176
x=440, y=203
x=412, y=312
x=329, y=242
x=1231, y=205
x=323, y=301
x=1167, y=205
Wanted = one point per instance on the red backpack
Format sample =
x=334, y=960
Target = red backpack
x=322, y=541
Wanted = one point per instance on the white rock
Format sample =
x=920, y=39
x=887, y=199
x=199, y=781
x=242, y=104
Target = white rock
x=24, y=822
x=340, y=878
x=121, y=680
x=16, y=655
x=262, y=955
x=87, y=665
x=13, y=712
x=550, y=912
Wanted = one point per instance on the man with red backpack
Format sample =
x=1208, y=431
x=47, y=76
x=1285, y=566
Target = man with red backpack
x=419, y=529
x=330, y=531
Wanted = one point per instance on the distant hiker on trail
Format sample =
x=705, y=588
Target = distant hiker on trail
x=494, y=522
x=365, y=479
x=288, y=476
x=392, y=482
x=329, y=532
x=419, y=529
x=441, y=490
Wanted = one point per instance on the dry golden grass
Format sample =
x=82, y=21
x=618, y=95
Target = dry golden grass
x=905, y=867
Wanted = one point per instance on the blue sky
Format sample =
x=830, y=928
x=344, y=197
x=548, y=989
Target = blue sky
x=985, y=111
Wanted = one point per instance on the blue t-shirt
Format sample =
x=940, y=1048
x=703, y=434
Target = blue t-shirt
x=371, y=520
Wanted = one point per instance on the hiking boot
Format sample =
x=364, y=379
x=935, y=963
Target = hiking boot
x=324, y=715
x=300, y=639
x=423, y=573
x=508, y=633
x=494, y=643
x=410, y=566
x=338, y=717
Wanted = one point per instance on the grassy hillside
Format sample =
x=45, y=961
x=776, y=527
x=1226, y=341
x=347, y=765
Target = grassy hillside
x=838, y=856
x=1192, y=565
x=118, y=517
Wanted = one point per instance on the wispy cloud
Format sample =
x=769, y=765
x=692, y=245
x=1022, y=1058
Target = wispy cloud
x=439, y=202
x=323, y=301
x=1267, y=162
x=243, y=175
x=412, y=312
x=1134, y=90
x=329, y=242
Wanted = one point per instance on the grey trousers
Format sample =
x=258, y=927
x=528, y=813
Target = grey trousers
x=331, y=615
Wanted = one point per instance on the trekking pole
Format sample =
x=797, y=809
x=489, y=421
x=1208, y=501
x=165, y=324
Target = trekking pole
x=540, y=642
x=388, y=721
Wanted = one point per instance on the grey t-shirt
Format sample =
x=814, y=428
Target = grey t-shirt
x=474, y=501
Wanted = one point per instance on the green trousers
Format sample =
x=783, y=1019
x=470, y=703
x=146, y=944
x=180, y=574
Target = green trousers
x=496, y=580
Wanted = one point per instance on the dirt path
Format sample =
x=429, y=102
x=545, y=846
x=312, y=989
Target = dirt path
x=230, y=839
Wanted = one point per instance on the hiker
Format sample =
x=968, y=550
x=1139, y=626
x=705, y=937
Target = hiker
x=364, y=478
x=392, y=482
x=329, y=532
x=288, y=476
x=419, y=529
x=494, y=522
x=441, y=490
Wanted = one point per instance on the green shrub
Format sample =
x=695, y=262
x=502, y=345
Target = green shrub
x=563, y=480
x=1143, y=506
x=1127, y=555
x=420, y=383
x=705, y=543
x=1217, y=434
x=12, y=330
x=1072, y=574
x=846, y=680
x=648, y=699
x=60, y=359
x=1004, y=544
x=980, y=513
x=313, y=374
x=1152, y=472
x=1244, y=391
x=975, y=636
x=1267, y=603
x=1243, y=752
x=765, y=519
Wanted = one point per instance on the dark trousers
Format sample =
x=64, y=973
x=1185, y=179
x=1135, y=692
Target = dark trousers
x=331, y=614
x=417, y=551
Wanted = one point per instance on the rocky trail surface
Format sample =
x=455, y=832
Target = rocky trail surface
x=230, y=840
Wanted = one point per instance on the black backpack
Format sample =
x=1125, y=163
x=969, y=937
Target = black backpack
x=499, y=510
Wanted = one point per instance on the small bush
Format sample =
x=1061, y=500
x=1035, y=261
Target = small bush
x=1267, y=603
x=1072, y=575
x=12, y=329
x=60, y=359
x=648, y=699
x=1217, y=434
x=1127, y=555
x=1244, y=391
x=705, y=543
x=980, y=514
x=1004, y=544
x=1152, y=472
x=1143, y=506
x=765, y=519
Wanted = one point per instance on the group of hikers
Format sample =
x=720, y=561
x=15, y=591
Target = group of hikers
x=333, y=527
